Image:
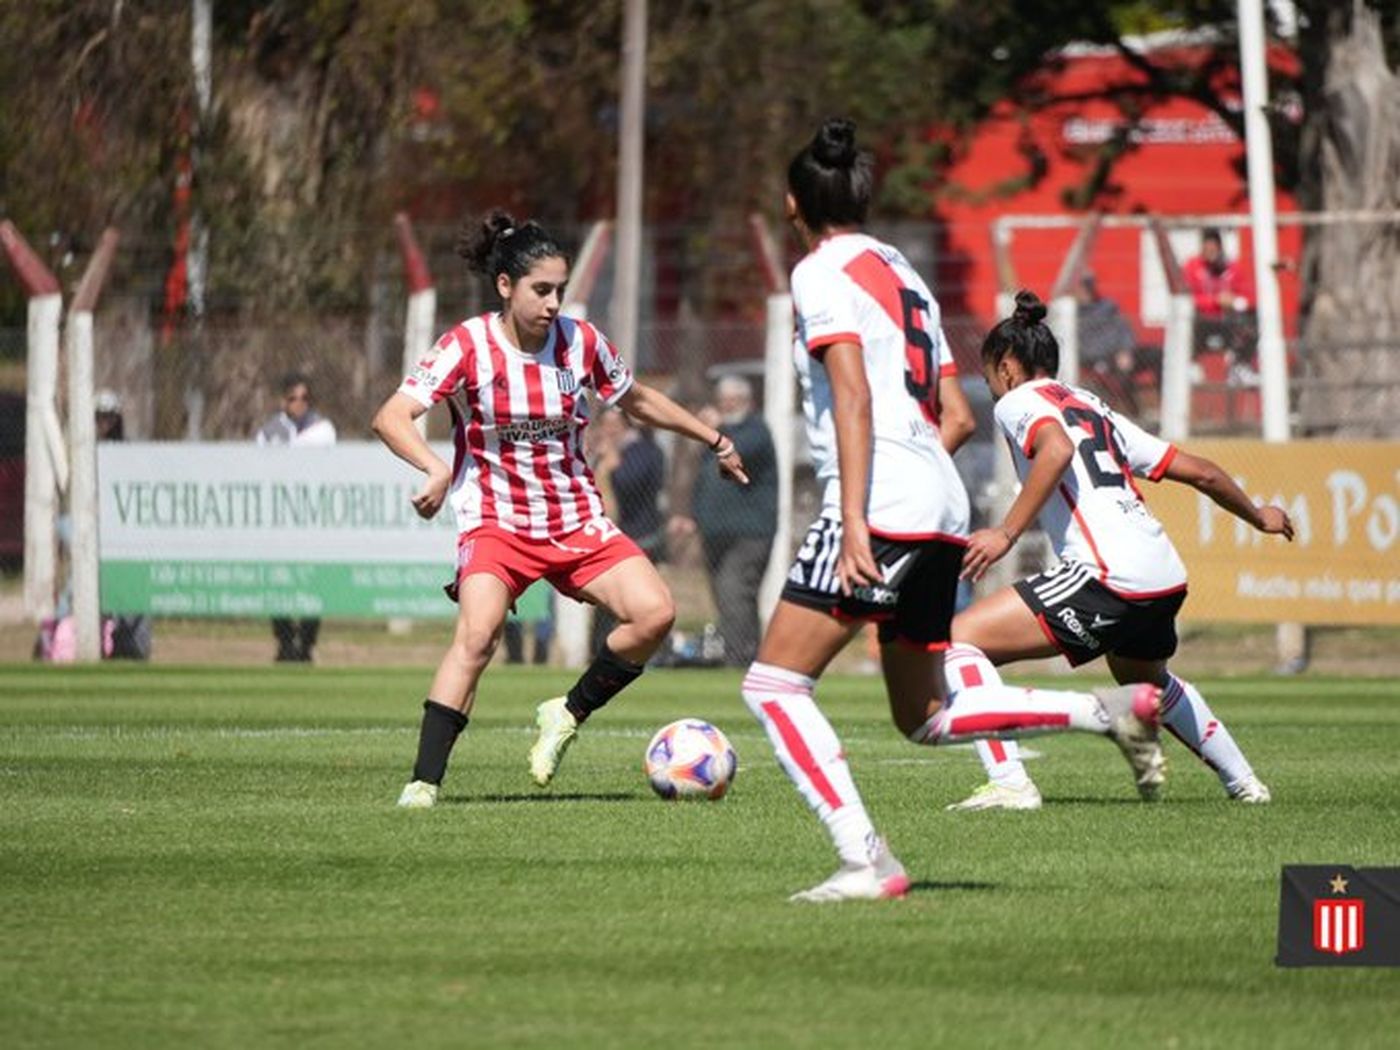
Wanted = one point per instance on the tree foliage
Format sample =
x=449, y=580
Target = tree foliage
x=331, y=114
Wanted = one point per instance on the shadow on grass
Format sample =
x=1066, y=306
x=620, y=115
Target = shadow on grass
x=558, y=796
x=1098, y=800
x=935, y=885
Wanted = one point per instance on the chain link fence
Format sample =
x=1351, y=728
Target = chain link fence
x=702, y=328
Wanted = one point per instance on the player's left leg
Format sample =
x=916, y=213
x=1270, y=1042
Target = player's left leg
x=1190, y=719
x=1008, y=785
x=1127, y=715
x=634, y=592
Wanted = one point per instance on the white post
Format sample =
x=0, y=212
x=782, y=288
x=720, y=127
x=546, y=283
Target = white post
x=573, y=620
x=40, y=473
x=779, y=407
x=1175, y=413
x=1259, y=154
x=82, y=496
x=1273, y=360
x=1063, y=316
x=626, y=284
x=84, y=565
x=419, y=331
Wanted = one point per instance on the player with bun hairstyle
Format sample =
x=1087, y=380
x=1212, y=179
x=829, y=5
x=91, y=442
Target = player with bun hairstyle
x=884, y=411
x=526, y=503
x=1119, y=583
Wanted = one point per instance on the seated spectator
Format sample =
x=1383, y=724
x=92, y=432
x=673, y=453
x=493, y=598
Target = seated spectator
x=1223, y=303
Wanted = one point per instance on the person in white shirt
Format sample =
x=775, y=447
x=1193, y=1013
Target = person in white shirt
x=300, y=425
x=1119, y=583
x=884, y=410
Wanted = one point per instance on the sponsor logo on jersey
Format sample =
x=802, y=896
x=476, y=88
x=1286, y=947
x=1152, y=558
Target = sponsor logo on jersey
x=533, y=429
x=422, y=373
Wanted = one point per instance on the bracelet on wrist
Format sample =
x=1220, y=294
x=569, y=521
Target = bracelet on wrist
x=718, y=442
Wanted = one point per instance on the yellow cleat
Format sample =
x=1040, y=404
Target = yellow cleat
x=557, y=731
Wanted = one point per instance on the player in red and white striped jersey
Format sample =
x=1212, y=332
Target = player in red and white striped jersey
x=518, y=383
x=884, y=411
x=1119, y=583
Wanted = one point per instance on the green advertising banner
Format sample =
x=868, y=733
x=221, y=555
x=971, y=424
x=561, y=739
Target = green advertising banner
x=193, y=529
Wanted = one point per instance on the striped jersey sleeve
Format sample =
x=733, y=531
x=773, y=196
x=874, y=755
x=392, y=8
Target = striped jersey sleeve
x=608, y=373
x=439, y=373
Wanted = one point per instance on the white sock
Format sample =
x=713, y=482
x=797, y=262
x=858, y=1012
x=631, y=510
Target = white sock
x=1000, y=710
x=966, y=666
x=811, y=755
x=1189, y=718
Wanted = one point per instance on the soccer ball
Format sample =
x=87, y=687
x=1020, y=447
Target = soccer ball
x=690, y=759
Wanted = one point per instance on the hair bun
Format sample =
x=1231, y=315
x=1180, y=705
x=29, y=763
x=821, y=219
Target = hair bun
x=834, y=145
x=1029, y=309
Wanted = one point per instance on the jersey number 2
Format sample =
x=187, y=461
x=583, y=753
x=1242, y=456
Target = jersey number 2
x=1100, y=443
x=921, y=360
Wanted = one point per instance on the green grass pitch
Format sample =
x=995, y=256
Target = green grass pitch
x=211, y=857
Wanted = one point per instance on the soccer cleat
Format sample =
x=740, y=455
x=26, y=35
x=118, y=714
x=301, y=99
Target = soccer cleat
x=1134, y=713
x=999, y=796
x=557, y=731
x=884, y=878
x=418, y=794
x=1251, y=790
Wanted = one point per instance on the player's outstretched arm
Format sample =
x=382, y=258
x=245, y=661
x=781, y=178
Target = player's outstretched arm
x=652, y=408
x=394, y=423
x=985, y=547
x=1207, y=476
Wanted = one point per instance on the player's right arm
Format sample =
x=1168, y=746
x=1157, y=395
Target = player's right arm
x=395, y=425
x=1050, y=452
x=1208, y=477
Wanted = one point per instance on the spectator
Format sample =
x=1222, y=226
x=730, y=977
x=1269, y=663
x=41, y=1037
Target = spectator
x=630, y=470
x=1218, y=286
x=301, y=425
x=737, y=528
x=1107, y=344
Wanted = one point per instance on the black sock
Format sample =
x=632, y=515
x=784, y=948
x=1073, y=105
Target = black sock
x=441, y=727
x=608, y=675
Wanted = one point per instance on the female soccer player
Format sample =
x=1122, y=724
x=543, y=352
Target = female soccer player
x=526, y=504
x=883, y=408
x=1119, y=583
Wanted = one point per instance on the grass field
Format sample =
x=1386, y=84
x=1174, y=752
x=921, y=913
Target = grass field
x=206, y=857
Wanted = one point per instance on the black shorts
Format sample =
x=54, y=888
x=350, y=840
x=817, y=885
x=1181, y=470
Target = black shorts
x=914, y=604
x=1084, y=619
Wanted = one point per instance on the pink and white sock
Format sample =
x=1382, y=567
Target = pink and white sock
x=966, y=667
x=1001, y=710
x=1188, y=717
x=811, y=755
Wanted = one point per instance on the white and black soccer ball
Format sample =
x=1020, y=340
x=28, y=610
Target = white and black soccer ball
x=690, y=759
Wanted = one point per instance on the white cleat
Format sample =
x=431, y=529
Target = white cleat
x=1252, y=790
x=884, y=878
x=999, y=796
x=557, y=731
x=418, y=794
x=1134, y=713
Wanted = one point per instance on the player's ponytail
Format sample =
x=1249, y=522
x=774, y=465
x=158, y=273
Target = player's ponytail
x=499, y=244
x=831, y=178
x=1026, y=337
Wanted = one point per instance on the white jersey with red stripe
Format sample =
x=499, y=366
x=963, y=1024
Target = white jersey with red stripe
x=518, y=422
x=853, y=288
x=1097, y=516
